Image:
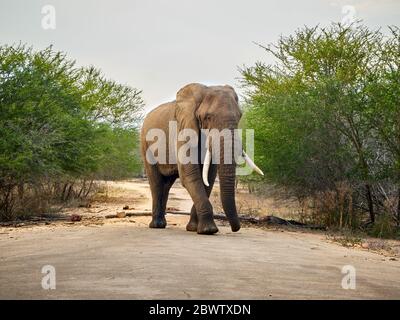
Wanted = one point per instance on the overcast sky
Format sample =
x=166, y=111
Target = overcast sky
x=160, y=45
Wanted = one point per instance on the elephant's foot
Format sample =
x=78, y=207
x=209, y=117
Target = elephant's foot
x=158, y=222
x=193, y=222
x=191, y=226
x=207, y=228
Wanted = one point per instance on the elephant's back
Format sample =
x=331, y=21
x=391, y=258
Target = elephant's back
x=159, y=117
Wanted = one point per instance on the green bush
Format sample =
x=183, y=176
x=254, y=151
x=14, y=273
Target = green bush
x=59, y=122
x=326, y=113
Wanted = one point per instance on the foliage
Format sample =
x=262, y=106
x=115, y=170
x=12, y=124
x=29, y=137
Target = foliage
x=326, y=114
x=61, y=122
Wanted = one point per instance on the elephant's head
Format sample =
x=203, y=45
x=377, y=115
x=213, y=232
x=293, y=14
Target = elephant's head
x=214, y=107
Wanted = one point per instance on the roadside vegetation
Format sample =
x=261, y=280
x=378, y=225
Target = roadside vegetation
x=62, y=127
x=326, y=116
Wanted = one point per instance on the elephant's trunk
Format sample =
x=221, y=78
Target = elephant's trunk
x=227, y=173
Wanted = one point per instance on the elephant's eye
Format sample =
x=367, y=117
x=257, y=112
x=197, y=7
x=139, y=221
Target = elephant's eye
x=207, y=117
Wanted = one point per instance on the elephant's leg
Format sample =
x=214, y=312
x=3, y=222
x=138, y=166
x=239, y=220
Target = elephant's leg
x=193, y=221
x=168, y=182
x=160, y=201
x=212, y=173
x=190, y=175
x=156, y=186
x=159, y=186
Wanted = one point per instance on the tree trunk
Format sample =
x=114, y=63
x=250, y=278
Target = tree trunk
x=82, y=188
x=69, y=193
x=21, y=191
x=398, y=207
x=64, y=191
x=370, y=203
x=89, y=189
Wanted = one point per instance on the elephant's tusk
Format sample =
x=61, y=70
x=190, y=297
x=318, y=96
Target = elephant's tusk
x=206, y=165
x=252, y=164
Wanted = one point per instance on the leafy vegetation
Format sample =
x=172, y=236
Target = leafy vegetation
x=61, y=127
x=326, y=116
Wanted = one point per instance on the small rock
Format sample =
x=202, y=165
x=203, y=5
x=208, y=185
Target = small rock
x=393, y=259
x=121, y=214
x=126, y=207
x=75, y=217
x=365, y=245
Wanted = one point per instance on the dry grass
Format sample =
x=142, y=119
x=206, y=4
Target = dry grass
x=269, y=202
x=352, y=239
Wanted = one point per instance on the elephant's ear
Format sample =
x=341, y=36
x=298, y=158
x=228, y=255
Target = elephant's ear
x=188, y=99
x=233, y=92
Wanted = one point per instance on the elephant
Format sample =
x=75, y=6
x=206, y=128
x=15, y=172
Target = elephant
x=196, y=107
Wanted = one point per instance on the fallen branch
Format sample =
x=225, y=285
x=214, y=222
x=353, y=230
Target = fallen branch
x=267, y=220
x=128, y=214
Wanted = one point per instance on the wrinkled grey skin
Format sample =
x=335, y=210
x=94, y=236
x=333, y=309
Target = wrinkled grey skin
x=196, y=107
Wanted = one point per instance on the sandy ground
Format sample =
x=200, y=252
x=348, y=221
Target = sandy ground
x=123, y=258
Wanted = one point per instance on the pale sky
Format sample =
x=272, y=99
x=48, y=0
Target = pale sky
x=161, y=45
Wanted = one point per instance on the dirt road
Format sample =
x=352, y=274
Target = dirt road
x=123, y=258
